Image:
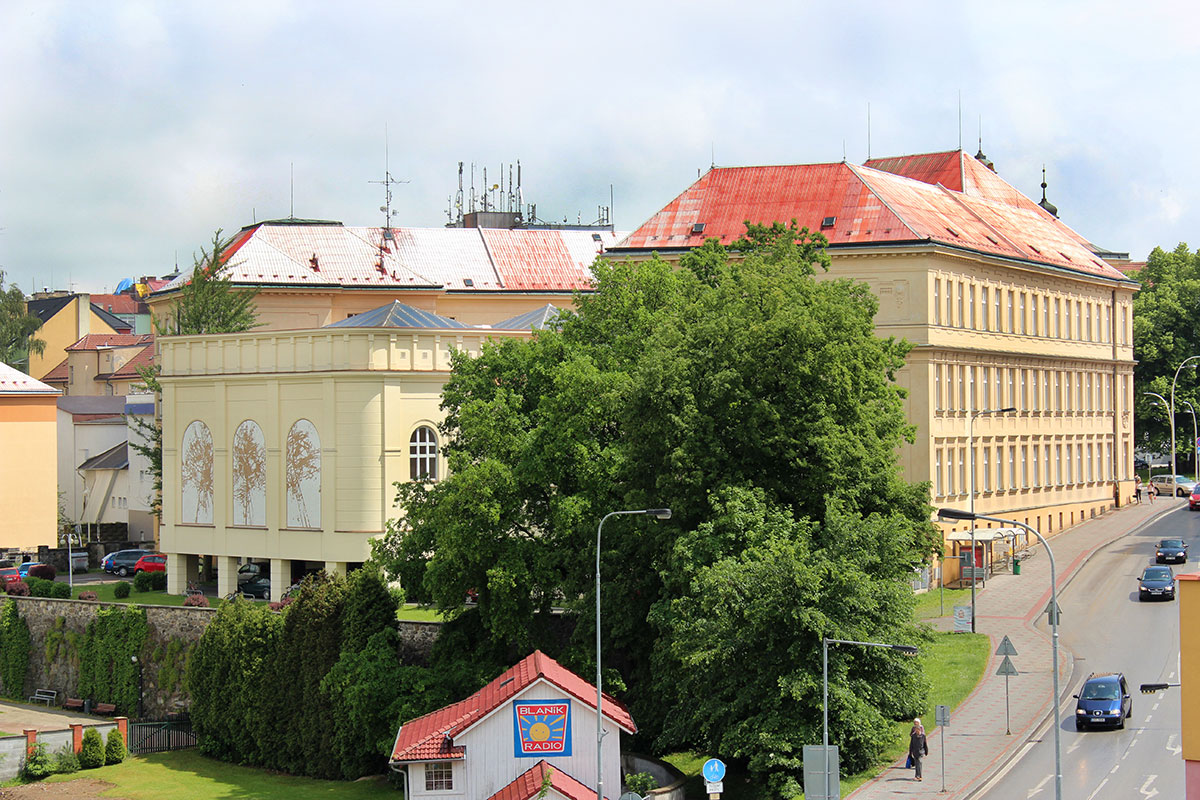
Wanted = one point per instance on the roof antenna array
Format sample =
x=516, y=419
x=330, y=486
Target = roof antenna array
x=387, y=182
x=868, y=131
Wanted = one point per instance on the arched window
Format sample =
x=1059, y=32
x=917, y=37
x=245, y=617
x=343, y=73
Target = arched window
x=422, y=455
x=196, y=474
x=249, y=475
x=303, y=476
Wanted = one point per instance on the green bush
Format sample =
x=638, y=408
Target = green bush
x=40, y=587
x=107, y=672
x=91, y=755
x=18, y=589
x=121, y=590
x=65, y=760
x=14, y=651
x=640, y=783
x=150, y=581
x=114, y=750
x=38, y=764
x=44, y=571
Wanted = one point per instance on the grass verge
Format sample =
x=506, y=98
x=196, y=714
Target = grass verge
x=104, y=593
x=954, y=663
x=930, y=604
x=186, y=775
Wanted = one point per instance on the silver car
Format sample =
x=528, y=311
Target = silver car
x=1179, y=485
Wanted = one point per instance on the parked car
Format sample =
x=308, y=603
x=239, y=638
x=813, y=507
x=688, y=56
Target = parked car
x=1140, y=463
x=1156, y=582
x=151, y=562
x=1194, y=500
x=24, y=568
x=1103, y=699
x=1178, y=485
x=9, y=575
x=259, y=586
x=249, y=571
x=1170, y=550
x=121, y=562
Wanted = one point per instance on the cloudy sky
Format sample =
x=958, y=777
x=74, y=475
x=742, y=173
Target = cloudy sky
x=131, y=131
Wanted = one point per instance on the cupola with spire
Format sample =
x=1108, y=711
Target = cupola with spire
x=1044, y=203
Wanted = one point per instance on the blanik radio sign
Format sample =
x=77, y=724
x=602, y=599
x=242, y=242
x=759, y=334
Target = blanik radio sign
x=542, y=728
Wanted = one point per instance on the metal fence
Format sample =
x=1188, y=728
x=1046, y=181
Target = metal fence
x=161, y=736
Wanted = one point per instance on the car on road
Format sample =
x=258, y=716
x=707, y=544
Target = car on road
x=24, y=567
x=9, y=575
x=1140, y=463
x=1156, y=583
x=259, y=586
x=1178, y=485
x=122, y=561
x=1194, y=500
x=150, y=562
x=1103, y=699
x=1169, y=550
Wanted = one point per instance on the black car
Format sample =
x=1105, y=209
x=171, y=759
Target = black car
x=1156, y=583
x=122, y=561
x=1169, y=550
x=258, y=586
x=1103, y=699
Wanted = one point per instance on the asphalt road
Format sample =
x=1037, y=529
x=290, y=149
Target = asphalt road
x=1109, y=630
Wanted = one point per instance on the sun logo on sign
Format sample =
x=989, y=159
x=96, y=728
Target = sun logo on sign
x=542, y=728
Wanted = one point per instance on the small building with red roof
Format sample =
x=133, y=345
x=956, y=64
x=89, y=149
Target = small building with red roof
x=535, y=720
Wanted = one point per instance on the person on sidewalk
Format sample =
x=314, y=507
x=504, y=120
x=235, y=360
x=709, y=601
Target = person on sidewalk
x=1152, y=492
x=918, y=748
x=1137, y=485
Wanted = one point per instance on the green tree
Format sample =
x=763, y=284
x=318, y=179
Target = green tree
x=208, y=303
x=114, y=748
x=91, y=752
x=1166, y=331
x=739, y=370
x=17, y=328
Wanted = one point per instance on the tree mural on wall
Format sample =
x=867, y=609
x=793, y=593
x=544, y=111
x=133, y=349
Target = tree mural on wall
x=249, y=475
x=303, y=475
x=196, y=466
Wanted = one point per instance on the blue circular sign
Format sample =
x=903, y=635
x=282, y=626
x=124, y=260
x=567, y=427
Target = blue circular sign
x=714, y=770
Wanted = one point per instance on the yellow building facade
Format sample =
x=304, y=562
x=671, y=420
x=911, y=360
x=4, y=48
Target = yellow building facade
x=66, y=320
x=28, y=466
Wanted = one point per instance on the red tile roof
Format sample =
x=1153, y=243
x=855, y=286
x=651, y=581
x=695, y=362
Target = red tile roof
x=431, y=737
x=59, y=374
x=119, y=303
x=527, y=785
x=871, y=206
x=97, y=341
x=144, y=358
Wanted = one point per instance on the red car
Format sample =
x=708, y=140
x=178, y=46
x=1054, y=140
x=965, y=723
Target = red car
x=9, y=575
x=1194, y=500
x=151, y=562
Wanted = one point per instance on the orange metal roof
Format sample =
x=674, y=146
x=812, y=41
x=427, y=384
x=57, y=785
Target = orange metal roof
x=527, y=785
x=863, y=205
x=932, y=168
x=431, y=737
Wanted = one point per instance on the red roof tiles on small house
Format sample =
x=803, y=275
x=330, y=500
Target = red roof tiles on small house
x=100, y=341
x=129, y=370
x=431, y=737
x=60, y=374
x=527, y=785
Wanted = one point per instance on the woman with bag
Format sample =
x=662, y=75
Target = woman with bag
x=918, y=748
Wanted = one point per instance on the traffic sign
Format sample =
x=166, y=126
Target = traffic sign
x=1053, y=613
x=712, y=787
x=941, y=715
x=713, y=770
x=1006, y=648
x=1007, y=668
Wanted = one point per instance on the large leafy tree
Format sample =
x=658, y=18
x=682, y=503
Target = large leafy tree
x=208, y=303
x=738, y=379
x=1166, y=331
x=17, y=328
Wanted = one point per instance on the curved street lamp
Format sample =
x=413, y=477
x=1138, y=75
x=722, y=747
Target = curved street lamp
x=971, y=415
x=656, y=513
x=1195, y=444
x=1174, y=469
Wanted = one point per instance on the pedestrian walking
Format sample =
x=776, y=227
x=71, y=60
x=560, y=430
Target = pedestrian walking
x=1137, y=485
x=1152, y=492
x=918, y=748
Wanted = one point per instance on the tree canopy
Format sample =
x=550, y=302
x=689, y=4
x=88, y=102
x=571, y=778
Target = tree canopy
x=757, y=403
x=17, y=328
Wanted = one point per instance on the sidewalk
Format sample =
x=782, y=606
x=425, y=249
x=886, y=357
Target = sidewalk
x=976, y=746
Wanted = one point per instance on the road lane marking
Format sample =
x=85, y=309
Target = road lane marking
x=1148, y=793
x=1114, y=769
x=1155, y=706
x=1175, y=749
x=1040, y=786
x=1095, y=792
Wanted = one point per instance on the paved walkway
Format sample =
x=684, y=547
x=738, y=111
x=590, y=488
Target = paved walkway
x=975, y=745
x=17, y=717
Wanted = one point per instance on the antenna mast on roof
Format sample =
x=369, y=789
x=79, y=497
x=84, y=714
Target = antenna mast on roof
x=868, y=131
x=292, y=190
x=387, y=182
x=960, y=119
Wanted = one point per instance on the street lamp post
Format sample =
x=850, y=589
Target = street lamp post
x=1052, y=613
x=971, y=415
x=138, y=664
x=1170, y=421
x=657, y=513
x=1195, y=444
x=1174, y=470
x=906, y=649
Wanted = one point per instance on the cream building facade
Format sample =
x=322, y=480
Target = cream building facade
x=1004, y=306
x=28, y=439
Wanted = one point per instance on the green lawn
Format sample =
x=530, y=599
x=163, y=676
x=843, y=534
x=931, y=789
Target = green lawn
x=954, y=663
x=930, y=604
x=411, y=612
x=104, y=592
x=186, y=775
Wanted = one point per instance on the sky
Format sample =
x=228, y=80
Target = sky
x=131, y=131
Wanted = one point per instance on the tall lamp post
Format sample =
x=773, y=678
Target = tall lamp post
x=971, y=489
x=1170, y=421
x=1052, y=613
x=1195, y=448
x=906, y=649
x=1174, y=470
x=657, y=513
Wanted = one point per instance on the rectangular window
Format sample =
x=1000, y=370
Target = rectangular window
x=1078, y=319
x=937, y=387
x=1024, y=390
x=937, y=301
x=1025, y=466
x=1058, y=405
x=1070, y=394
x=999, y=321
x=983, y=312
x=1091, y=464
x=1012, y=389
x=1021, y=311
x=1012, y=322
x=1012, y=466
x=962, y=388
x=1079, y=462
x=999, y=468
x=949, y=318
x=439, y=776
x=961, y=306
x=1037, y=465
x=986, y=402
x=1049, y=474
x=1058, y=466
x=962, y=469
x=1089, y=322
x=1058, y=318
x=1036, y=393
x=1107, y=324
x=937, y=472
x=1108, y=459
x=949, y=471
x=971, y=313
x=1125, y=324
x=1033, y=325
x=987, y=470
x=971, y=397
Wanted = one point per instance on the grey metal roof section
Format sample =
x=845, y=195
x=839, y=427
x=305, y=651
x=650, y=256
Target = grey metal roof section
x=539, y=319
x=114, y=458
x=74, y=404
x=112, y=320
x=397, y=315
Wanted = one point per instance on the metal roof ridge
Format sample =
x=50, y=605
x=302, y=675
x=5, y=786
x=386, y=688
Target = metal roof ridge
x=855, y=169
x=491, y=261
x=392, y=254
x=956, y=196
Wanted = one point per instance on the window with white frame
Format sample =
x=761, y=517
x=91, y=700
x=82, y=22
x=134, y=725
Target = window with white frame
x=1037, y=465
x=987, y=469
x=422, y=454
x=937, y=471
x=984, y=320
x=1021, y=311
x=1025, y=466
x=971, y=312
x=937, y=387
x=999, y=321
x=962, y=469
x=937, y=301
x=439, y=776
x=1012, y=466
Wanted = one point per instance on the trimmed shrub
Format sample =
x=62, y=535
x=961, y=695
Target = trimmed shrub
x=43, y=571
x=196, y=601
x=41, y=587
x=39, y=764
x=114, y=750
x=18, y=589
x=89, y=595
x=65, y=760
x=91, y=754
x=640, y=782
x=150, y=581
x=120, y=591
x=14, y=651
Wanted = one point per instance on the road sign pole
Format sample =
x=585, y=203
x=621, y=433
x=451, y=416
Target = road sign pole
x=1007, y=725
x=941, y=716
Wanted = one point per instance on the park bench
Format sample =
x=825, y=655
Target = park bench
x=104, y=708
x=73, y=704
x=46, y=696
